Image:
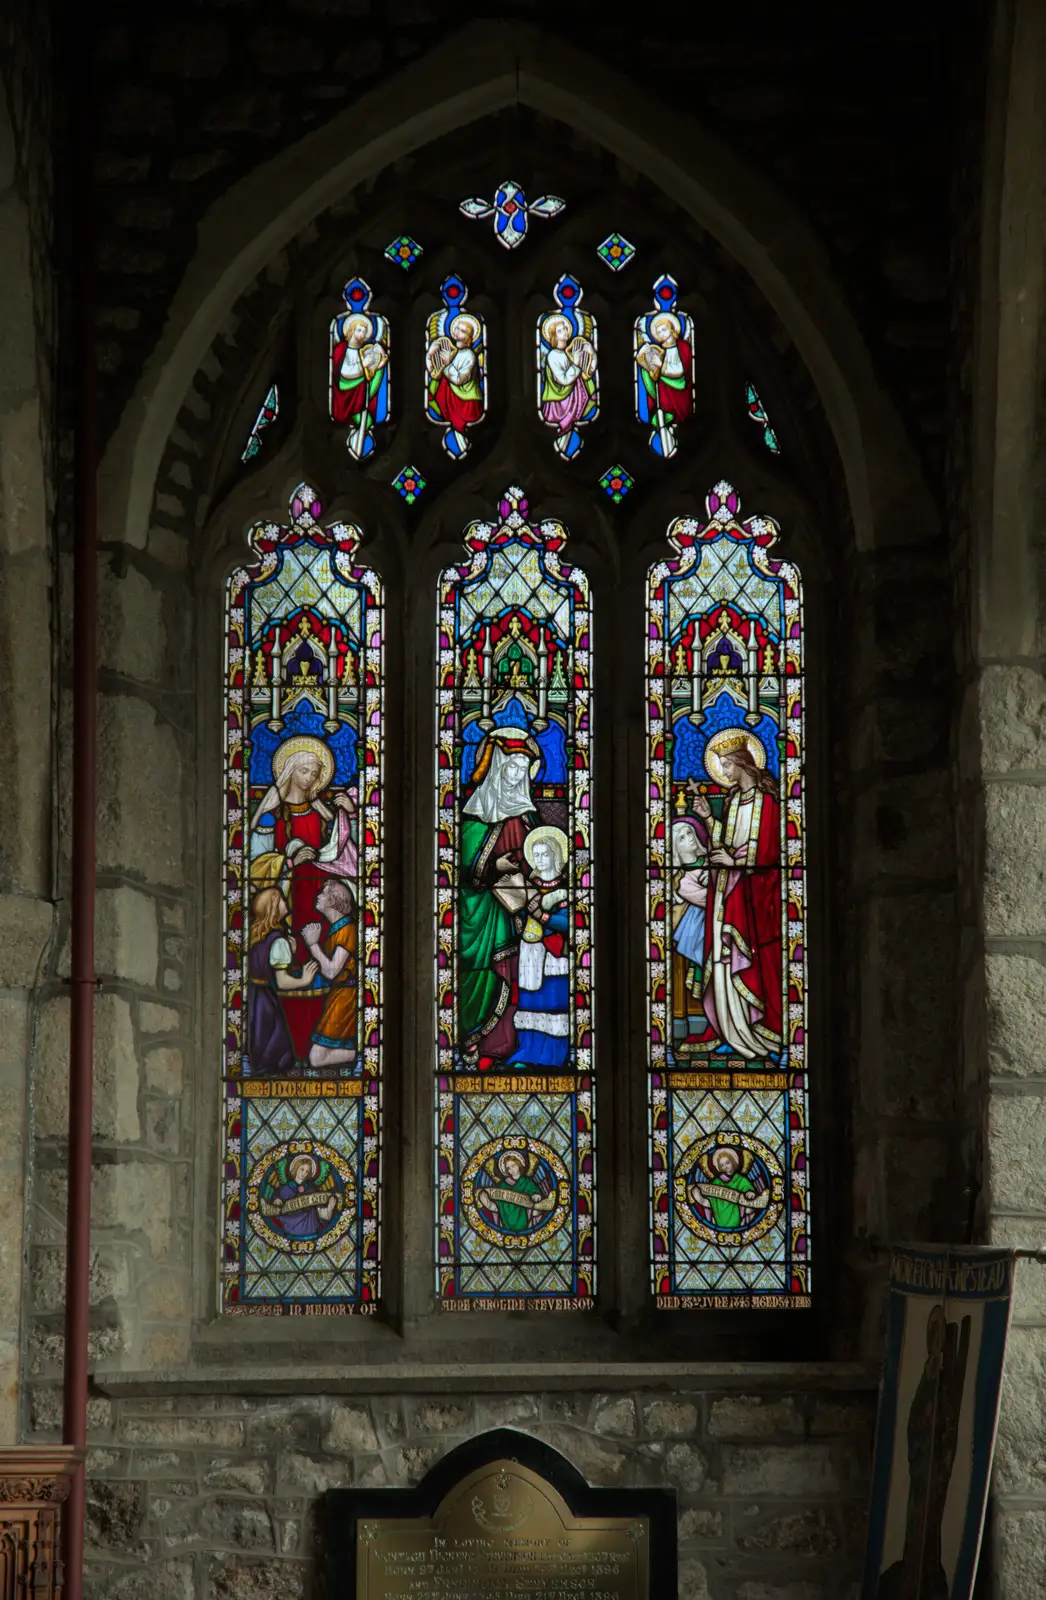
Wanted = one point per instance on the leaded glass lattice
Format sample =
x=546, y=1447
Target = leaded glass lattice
x=302, y=926
x=727, y=917
x=514, y=1094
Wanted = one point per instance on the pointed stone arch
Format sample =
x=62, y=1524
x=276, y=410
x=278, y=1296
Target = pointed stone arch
x=511, y=64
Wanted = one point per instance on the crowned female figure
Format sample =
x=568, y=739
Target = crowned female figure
x=742, y=968
x=496, y=820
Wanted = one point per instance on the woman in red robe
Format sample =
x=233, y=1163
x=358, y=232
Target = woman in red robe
x=316, y=844
x=743, y=965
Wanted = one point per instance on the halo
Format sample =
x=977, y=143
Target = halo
x=546, y=835
x=714, y=751
x=469, y=320
x=296, y=1161
x=667, y=316
x=355, y=319
x=304, y=744
x=547, y=323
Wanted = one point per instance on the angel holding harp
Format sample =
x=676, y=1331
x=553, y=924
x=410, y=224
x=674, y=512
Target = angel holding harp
x=729, y=1188
x=568, y=384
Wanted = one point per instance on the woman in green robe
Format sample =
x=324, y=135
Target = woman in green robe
x=496, y=819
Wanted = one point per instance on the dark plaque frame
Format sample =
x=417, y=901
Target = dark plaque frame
x=344, y=1509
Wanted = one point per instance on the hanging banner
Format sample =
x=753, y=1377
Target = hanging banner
x=949, y=1314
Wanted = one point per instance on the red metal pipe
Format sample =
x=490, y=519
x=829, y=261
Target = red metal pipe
x=85, y=676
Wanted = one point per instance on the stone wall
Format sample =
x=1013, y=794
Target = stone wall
x=1003, y=754
x=217, y=1497
x=27, y=495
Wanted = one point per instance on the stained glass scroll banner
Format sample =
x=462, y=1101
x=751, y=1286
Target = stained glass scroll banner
x=727, y=918
x=302, y=925
x=515, y=1156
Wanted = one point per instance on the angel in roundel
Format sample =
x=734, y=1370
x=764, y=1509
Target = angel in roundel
x=516, y=1190
x=729, y=1187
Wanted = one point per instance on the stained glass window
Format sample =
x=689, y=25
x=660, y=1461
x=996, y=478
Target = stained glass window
x=359, y=369
x=455, y=368
x=567, y=367
x=727, y=917
x=515, y=1131
x=270, y=410
x=302, y=925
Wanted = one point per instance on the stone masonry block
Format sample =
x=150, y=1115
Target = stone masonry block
x=351, y=1431
x=1017, y=1151
x=1029, y=1289
x=686, y=1467
x=237, y=1524
x=1013, y=719
x=134, y=1196
x=310, y=1475
x=153, y=1018
x=23, y=493
x=110, y=1278
x=240, y=1579
x=799, y=1533
x=1016, y=986
x=615, y=1417
x=25, y=928
x=140, y=826
x=115, y=1109
x=693, y=1581
x=212, y=1433
x=669, y=1419
x=743, y=1417
x=163, y=1580
x=1020, y=1453
x=807, y=1470
x=14, y=1072
x=127, y=936
x=131, y=634
x=1020, y=1553
x=164, y=1070
x=1015, y=860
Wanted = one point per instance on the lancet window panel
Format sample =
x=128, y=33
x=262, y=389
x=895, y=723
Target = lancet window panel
x=302, y=924
x=727, y=990
x=515, y=1116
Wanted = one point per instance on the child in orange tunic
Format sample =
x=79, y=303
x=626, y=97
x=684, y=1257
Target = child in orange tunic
x=334, y=1041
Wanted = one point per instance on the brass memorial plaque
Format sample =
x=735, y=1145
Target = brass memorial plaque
x=503, y=1533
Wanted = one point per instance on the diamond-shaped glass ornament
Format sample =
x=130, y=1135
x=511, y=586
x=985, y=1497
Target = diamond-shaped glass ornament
x=409, y=483
x=615, y=251
x=616, y=483
x=404, y=251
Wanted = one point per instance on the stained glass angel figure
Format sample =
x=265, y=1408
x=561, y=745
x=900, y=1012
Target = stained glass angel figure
x=567, y=367
x=455, y=367
x=511, y=211
x=664, y=367
x=360, y=390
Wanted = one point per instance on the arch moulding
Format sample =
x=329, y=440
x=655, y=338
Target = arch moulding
x=764, y=233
